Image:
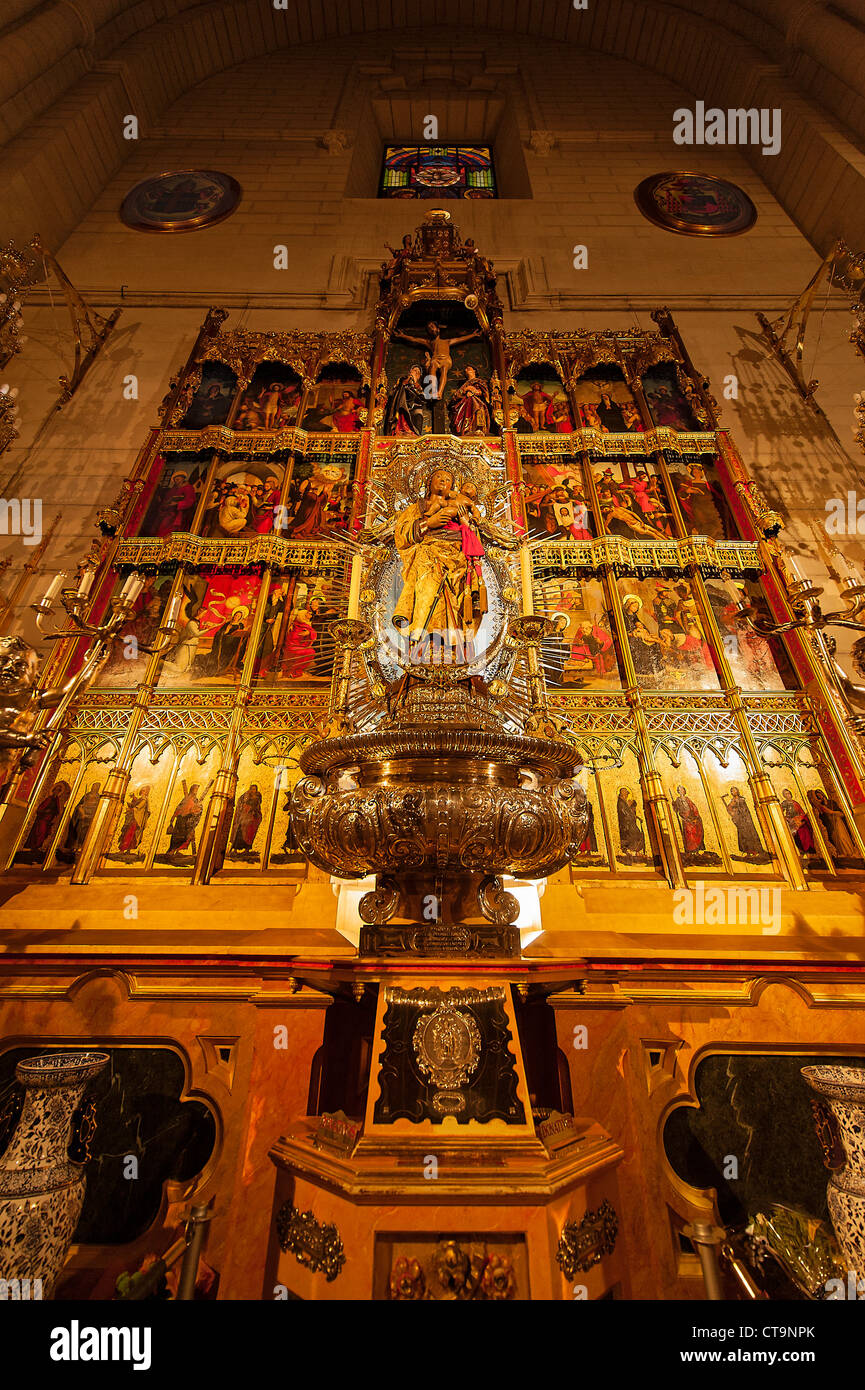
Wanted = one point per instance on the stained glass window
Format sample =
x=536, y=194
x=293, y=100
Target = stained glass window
x=437, y=171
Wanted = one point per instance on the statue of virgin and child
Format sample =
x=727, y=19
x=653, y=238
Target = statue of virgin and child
x=440, y=539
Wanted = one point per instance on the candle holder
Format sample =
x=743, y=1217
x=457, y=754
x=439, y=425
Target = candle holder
x=805, y=602
x=74, y=602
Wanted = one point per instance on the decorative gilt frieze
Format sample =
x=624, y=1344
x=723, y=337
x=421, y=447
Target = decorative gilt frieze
x=641, y=443
x=183, y=549
x=252, y=443
x=711, y=557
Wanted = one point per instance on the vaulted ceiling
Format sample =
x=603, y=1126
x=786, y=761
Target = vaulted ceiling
x=72, y=68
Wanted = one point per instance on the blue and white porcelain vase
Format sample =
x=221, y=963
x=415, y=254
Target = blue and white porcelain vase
x=41, y=1188
x=843, y=1090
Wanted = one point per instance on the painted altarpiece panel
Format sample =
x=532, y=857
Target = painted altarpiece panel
x=580, y=653
x=243, y=499
x=213, y=399
x=272, y=399
x=334, y=403
x=727, y=778
x=633, y=499
x=318, y=502
x=669, y=646
x=212, y=630
x=606, y=402
x=539, y=403
x=296, y=644
x=555, y=501
x=181, y=481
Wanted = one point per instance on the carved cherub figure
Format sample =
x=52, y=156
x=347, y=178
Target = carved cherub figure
x=20, y=703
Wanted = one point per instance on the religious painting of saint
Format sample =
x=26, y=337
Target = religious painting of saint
x=702, y=501
x=137, y=810
x=555, y=501
x=634, y=841
x=695, y=828
x=245, y=825
x=580, y=652
x=284, y=847
x=632, y=500
x=695, y=204
x=757, y=663
x=296, y=644
x=182, y=825
x=184, y=201
x=319, y=499
x=272, y=399
x=80, y=821
x=428, y=361
x=335, y=402
x=43, y=828
x=590, y=851
x=213, y=398
x=539, y=403
x=669, y=647
x=606, y=402
x=127, y=661
x=799, y=824
x=243, y=501
x=749, y=846
x=667, y=402
x=172, y=506
x=212, y=631
x=826, y=811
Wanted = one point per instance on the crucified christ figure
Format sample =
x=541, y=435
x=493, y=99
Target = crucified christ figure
x=439, y=349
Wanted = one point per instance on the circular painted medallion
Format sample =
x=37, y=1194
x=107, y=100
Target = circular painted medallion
x=183, y=201
x=695, y=204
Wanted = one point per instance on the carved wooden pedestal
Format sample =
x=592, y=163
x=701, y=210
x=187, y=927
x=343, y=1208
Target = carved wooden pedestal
x=448, y=1192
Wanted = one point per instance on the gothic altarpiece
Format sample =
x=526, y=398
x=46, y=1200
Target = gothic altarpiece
x=442, y=609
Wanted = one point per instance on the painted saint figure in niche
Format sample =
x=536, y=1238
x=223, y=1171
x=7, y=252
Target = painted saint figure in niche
x=589, y=843
x=79, y=823
x=439, y=349
x=46, y=820
x=750, y=844
x=834, y=825
x=690, y=822
x=135, y=820
x=247, y=819
x=175, y=508
x=631, y=834
x=212, y=400
x=469, y=406
x=184, y=820
x=798, y=823
x=644, y=645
